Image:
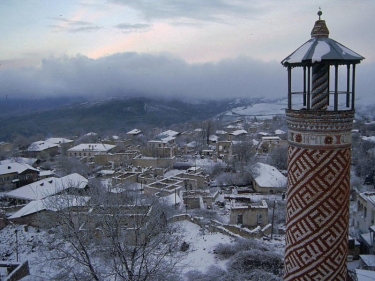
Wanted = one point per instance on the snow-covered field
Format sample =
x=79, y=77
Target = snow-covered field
x=260, y=109
x=200, y=255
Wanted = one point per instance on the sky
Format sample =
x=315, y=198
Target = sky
x=189, y=49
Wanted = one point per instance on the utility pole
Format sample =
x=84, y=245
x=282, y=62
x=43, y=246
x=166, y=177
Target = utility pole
x=16, y=231
x=273, y=217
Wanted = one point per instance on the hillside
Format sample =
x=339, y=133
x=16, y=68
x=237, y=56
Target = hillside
x=74, y=116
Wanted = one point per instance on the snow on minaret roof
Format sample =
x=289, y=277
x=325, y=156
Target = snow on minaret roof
x=321, y=48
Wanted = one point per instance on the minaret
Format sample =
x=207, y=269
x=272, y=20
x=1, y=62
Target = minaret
x=319, y=133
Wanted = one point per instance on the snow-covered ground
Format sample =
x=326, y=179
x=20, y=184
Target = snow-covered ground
x=260, y=109
x=200, y=255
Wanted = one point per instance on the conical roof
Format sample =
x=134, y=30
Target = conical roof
x=320, y=48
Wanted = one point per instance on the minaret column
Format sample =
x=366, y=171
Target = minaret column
x=318, y=194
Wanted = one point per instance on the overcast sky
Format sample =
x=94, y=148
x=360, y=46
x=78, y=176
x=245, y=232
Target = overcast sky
x=188, y=48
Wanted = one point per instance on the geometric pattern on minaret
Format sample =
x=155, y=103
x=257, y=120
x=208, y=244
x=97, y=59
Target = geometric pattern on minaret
x=318, y=195
x=319, y=157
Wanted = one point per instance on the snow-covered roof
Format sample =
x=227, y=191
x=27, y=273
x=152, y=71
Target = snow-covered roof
x=255, y=142
x=53, y=203
x=46, y=173
x=371, y=139
x=167, y=136
x=91, y=134
x=365, y=275
x=279, y=132
x=192, y=144
x=265, y=138
x=169, y=133
x=59, y=140
x=369, y=260
x=213, y=138
x=47, y=187
x=21, y=160
x=221, y=132
x=134, y=132
x=95, y=147
x=238, y=132
x=41, y=145
x=321, y=49
x=263, y=134
x=368, y=196
x=234, y=127
x=15, y=168
x=269, y=176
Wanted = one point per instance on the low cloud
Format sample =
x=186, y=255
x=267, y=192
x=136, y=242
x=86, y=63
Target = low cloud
x=128, y=27
x=127, y=74
x=73, y=26
x=133, y=74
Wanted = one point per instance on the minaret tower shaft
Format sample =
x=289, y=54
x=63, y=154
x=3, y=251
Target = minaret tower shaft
x=319, y=134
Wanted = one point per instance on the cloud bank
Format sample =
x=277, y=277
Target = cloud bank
x=131, y=74
x=134, y=74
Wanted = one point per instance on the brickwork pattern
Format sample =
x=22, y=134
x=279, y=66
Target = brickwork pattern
x=317, y=213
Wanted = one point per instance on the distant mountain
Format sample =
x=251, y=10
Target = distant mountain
x=62, y=117
x=75, y=115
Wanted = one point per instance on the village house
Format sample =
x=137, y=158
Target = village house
x=364, y=214
x=13, y=175
x=45, y=188
x=61, y=142
x=224, y=150
x=268, y=143
x=249, y=214
x=21, y=160
x=85, y=150
x=237, y=135
x=37, y=148
x=134, y=133
x=268, y=179
x=30, y=214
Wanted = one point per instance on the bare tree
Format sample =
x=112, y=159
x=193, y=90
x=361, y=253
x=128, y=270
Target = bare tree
x=244, y=152
x=112, y=238
x=279, y=157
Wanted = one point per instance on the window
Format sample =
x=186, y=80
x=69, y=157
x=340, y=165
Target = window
x=240, y=219
x=365, y=212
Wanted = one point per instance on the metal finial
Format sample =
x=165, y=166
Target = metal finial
x=320, y=12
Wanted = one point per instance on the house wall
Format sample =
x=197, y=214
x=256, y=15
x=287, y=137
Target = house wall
x=127, y=178
x=24, y=178
x=156, y=151
x=364, y=214
x=252, y=216
x=117, y=158
x=154, y=162
x=267, y=189
x=194, y=181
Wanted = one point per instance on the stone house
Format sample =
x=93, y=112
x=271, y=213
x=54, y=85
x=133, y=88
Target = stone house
x=37, y=148
x=249, y=215
x=88, y=150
